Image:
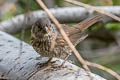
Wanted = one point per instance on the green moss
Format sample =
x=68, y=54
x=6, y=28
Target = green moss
x=113, y=26
x=26, y=37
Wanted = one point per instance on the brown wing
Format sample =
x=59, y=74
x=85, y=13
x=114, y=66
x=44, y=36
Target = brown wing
x=75, y=33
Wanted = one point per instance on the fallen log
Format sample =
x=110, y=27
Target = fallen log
x=24, y=66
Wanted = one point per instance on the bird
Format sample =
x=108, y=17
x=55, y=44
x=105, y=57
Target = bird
x=48, y=41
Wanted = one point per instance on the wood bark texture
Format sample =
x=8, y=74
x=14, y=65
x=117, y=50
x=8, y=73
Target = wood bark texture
x=64, y=15
x=24, y=66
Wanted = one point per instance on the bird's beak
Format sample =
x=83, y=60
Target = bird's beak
x=46, y=29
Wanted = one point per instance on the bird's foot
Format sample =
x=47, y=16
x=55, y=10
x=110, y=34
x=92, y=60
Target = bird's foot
x=62, y=65
x=40, y=65
x=56, y=65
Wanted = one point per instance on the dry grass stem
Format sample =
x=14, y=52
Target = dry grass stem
x=93, y=8
x=104, y=68
x=53, y=42
x=82, y=61
x=64, y=35
x=105, y=13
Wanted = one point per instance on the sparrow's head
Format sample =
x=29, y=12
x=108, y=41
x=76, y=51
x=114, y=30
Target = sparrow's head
x=41, y=27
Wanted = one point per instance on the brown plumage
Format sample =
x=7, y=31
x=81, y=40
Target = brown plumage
x=47, y=40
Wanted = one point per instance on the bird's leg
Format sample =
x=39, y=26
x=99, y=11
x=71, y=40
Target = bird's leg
x=49, y=61
x=44, y=64
x=65, y=60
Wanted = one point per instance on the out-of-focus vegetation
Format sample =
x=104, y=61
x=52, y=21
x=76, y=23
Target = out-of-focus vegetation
x=11, y=8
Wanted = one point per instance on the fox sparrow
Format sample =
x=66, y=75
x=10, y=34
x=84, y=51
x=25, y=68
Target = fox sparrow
x=48, y=42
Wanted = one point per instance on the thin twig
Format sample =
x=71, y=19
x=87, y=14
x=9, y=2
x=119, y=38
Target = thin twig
x=53, y=42
x=73, y=48
x=104, y=68
x=105, y=13
x=64, y=35
x=93, y=8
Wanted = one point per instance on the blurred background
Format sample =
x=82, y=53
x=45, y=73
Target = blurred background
x=102, y=44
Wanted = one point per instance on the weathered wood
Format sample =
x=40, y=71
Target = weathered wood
x=22, y=67
x=64, y=15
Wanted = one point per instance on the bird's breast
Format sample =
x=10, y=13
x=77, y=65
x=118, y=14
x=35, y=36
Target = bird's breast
x=42, y=45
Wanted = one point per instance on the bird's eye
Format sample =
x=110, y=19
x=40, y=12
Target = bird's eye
x=39, y=27
x=42, y=29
